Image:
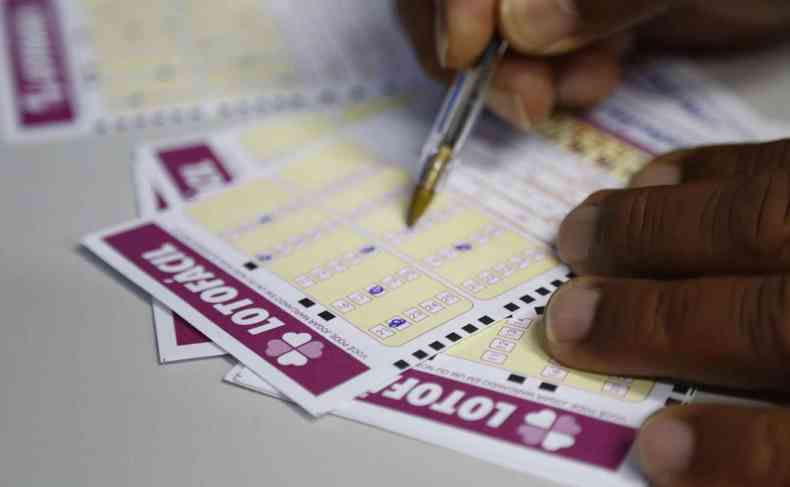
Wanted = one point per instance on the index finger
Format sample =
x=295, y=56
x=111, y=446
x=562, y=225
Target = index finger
x=558, y=26
x=463, y=30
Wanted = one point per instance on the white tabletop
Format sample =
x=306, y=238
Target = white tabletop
x=85, y=402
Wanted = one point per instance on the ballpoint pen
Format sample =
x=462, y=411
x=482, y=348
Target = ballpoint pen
x=460, y=110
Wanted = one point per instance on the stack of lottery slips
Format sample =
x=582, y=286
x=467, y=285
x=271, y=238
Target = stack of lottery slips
x=283, y=244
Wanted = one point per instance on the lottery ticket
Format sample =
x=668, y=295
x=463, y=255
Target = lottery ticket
x=192, y=167
x=97, y=66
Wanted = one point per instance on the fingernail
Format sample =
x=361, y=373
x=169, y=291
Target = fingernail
x=509, y=106
x=658, y=174
x=577, y=234
x=571, y=313
x=440, y=27
x=534, y=25
x=666, y=447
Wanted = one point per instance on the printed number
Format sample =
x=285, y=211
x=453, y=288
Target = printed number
x=447, y=298
x=431, y=306
x=615, y=389
x=343, y=306
x=415, y=314
x=304, y=281
x=502, y=345
x=392, y=282
x=382, y=331
x=359, y=298
x=555, y=373
x=494, y=357
x=512, y=333
x=320, y=274
x=489, y=277
x=472, y=286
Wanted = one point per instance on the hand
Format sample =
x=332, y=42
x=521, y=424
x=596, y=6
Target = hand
x=687, y=276
x=567, y=52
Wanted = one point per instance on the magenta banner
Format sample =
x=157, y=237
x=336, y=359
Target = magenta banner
x=253, y=321
x=194, y=169
x=41, y=84
x=513, y=420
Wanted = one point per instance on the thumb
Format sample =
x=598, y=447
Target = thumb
x=559, y=26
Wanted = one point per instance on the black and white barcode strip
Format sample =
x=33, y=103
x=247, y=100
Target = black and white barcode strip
x=537, y=299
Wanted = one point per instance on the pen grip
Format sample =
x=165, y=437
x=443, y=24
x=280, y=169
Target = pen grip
x=466, y=99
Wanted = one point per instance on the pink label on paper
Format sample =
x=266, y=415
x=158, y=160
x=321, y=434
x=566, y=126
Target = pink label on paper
x=36, y=51
x=507, y=418
x=250, y=319
x=194, y=169
x=187, y=334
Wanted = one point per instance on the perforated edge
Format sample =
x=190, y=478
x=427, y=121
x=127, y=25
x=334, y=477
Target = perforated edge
x=241, y=108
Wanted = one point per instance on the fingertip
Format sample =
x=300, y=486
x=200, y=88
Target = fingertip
x=588, y=77
x=577, y=234
x=469, y=26
x=666, y=446
x=531, y=82
x=663, y=170
x=538, y=26
x=510, y=107
x=656, y=174
x=570, y=314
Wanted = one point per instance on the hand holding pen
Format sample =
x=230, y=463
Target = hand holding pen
x=685, y=274
x=568, y=53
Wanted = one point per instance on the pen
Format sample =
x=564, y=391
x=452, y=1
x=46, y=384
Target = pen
x=460, y=110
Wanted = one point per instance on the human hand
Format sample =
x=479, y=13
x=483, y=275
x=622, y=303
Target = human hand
x=567, y=52
x=686, y=275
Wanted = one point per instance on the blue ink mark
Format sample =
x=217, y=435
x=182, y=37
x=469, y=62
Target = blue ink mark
x=265, y=219
x=463, y=247
x=396, y=322
x=376, y=290
x=368, y=249
x=265, y=257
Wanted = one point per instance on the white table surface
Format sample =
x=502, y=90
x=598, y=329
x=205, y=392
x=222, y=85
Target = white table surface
x=85, y=402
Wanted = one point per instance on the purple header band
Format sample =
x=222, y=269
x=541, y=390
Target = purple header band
x=194, y=169
x=253, y=321
x=513, y=420
x=187, y=334
x=41, y=84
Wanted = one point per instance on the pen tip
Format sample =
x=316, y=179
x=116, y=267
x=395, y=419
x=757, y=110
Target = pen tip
x=419, y=203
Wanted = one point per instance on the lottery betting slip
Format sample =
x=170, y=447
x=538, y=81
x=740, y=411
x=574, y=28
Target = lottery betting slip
x=494, y=394
x=322, y=288
x=649, y=100
x=96, y=66
x=193, y=168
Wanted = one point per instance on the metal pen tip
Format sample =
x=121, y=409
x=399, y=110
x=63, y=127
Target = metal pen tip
x=429, y=180
x=419, y=203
